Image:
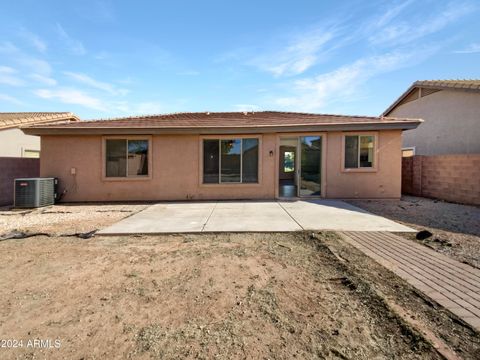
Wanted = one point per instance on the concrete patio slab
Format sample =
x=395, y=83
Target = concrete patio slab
x=261, y=216
x=164, y=218
x=338, y=215
x=252, y=216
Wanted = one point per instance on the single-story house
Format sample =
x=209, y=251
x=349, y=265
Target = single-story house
x=451, y=111
x=225, y=155
x=14, y=143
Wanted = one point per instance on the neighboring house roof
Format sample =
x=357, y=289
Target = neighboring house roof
x=432, y=86
x=225, y=122
x=17, y=119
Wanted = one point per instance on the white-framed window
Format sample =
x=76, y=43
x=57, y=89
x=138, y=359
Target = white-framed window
x=359, y=151
x=408, y=151
x=233, y=160
x=127, y=157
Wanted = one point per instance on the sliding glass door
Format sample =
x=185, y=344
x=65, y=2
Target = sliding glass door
x=310, y=166
x=306, y=174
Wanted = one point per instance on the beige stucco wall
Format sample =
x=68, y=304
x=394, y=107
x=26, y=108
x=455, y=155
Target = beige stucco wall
x=176, y=173
x=13, y=142
x=452, y=123
x=384, y=182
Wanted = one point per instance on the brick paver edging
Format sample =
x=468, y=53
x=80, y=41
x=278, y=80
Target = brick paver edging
x=452, y=284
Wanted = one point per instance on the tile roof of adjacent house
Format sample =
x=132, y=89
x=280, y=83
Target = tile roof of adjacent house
x=455, y=84
x=17, y=119
x=464, y=85
x=209, y=122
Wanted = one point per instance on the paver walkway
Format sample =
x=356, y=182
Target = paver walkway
x=453, y=285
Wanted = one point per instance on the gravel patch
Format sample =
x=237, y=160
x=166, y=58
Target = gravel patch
x=65, y=218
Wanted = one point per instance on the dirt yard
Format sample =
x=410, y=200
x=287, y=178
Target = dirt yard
x=65, y=219
x=225, y=296
x=455, y=227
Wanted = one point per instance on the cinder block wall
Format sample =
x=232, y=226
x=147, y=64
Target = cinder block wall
x=11, y=168
x=453, y=178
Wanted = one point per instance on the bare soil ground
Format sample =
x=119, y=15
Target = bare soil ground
x=65, y=219
x=455, y=227
x=225, y=296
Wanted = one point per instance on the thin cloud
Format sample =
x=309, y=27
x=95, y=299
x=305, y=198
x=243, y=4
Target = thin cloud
x=291, y=54
x=100, y=85
x=302, y=52
x=37, y=66
x=390, y=14
x=26, y=61
x=10, y=99
x=34, y=40
x=404, y=32
x=75, y=46
x=7, y=70
x=43, y=79
x=470, y=49
x=318, y=92
x=348, y=81
x=8, y=76
x=72, y=96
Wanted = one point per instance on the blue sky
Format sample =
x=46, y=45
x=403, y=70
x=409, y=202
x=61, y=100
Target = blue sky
x=103, y=59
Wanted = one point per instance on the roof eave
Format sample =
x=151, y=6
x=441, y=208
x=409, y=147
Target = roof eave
x=400, y=98
x=404, y=125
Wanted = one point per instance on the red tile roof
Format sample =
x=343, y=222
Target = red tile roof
x=225, y=123
x=226, y=119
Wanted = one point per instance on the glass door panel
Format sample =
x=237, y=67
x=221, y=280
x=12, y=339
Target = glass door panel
x=288, y=167
x=310, y=166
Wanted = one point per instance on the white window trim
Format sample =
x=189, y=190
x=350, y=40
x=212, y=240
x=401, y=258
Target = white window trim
x=131, y=177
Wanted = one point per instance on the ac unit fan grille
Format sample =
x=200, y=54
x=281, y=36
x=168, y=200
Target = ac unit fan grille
x=37, y=192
